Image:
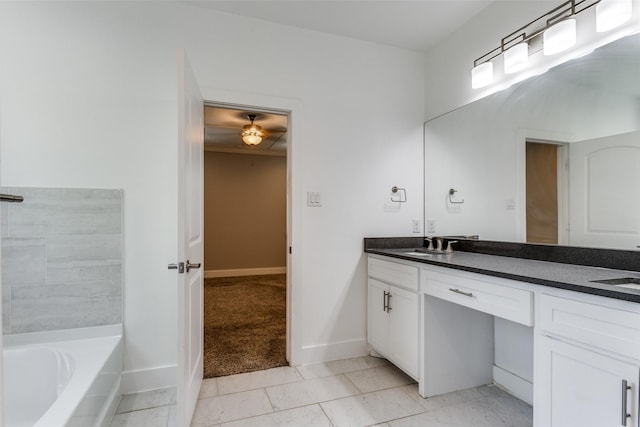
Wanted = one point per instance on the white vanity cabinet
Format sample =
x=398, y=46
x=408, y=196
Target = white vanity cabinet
x=393, y=312
x=459, y=309
x=438, y=325
x=587, y=363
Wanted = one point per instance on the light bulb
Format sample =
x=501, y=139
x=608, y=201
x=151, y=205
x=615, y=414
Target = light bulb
x=482, y=75
x=252, y=139
x=611, y=14
x=559, y=37
x=516, y=58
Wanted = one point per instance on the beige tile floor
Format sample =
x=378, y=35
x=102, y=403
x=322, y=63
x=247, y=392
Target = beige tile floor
x=362, y=391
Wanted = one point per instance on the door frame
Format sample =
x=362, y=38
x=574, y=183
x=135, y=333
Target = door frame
x=561, y=139
x=562, y=179
x=293, y=109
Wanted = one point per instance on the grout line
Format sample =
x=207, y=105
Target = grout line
x=273, y=408
x=352, y=383
x=143, y=409
x=326, y=415
x=146, y=409
x=267, y=414
x=299, y=373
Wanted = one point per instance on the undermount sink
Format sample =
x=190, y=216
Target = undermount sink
x=624, y=282
x=416, y=253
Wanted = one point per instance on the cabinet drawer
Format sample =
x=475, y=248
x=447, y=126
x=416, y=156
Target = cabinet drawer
x=482, y=295
x=600, y=326
x=394, y=273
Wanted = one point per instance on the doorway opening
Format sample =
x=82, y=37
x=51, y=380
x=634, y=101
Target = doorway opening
x=245, y=240
x=546, y=192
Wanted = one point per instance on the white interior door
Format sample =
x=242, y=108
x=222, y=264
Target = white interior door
x=604, y=203
x=190, y=240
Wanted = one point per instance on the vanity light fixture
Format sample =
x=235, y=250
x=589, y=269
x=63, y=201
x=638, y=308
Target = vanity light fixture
x=482, y=75
x=252, y=134
x=516, y=58
x=559, y=37
x=555, y=31
x=611, y=14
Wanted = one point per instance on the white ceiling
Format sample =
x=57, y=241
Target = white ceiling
x=416, y=25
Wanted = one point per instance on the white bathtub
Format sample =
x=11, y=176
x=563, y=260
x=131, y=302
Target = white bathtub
x=62, y=378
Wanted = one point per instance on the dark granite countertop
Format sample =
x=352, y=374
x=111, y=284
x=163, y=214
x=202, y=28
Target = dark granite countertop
x=576, y=278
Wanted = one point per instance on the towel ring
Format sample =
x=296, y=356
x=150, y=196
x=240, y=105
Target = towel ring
x=402, y=197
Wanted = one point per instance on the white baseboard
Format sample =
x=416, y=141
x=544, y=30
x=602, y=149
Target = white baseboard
x=245, y=272
x=334, y=351
x=149, y=379
x=517, y=386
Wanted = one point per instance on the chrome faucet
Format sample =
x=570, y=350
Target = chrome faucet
x=430, y=240
x=450, y=243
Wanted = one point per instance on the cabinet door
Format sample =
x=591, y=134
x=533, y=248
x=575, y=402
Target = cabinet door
x=578, y=387
x=377, y=317
x=403, y=329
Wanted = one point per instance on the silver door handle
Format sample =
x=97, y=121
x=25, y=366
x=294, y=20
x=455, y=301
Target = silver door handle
x=389, y=301
x=194, y=266
x=179, y=266
x=625, y=389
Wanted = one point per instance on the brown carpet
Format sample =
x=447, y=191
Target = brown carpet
x=244, y=324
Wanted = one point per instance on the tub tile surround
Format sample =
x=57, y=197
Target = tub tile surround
x=61, y=259
x=314, y=395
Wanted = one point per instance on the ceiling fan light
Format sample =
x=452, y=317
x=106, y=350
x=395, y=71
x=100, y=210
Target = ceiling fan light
x=559, y=37
x=252, y=134
x=482, y=75
x=516, y=58
x=252, y=139
x=611, y=14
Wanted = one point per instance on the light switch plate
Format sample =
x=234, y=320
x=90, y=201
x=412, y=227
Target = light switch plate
x=314, y=199
x=510, y=204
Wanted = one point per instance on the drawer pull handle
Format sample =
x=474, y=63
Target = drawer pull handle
x=389, y=301
x=458, y=291
x=625, y=414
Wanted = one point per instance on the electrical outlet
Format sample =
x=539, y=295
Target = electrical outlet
x=431, y=226
x=416, y=226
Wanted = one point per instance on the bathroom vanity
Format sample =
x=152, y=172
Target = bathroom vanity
x=435, y=316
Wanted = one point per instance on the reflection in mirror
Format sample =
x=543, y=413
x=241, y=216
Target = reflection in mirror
x=583, y=120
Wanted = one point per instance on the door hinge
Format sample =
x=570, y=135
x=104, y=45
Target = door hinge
x=289, y=249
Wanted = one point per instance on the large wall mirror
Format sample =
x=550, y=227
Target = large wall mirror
x=554, y=159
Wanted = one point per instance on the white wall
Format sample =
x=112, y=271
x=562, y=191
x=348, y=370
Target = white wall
x=88, y=99
x=448, y=65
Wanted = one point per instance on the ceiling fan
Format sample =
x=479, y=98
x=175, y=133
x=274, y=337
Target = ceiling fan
x=224, y=127
x=252, y=134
